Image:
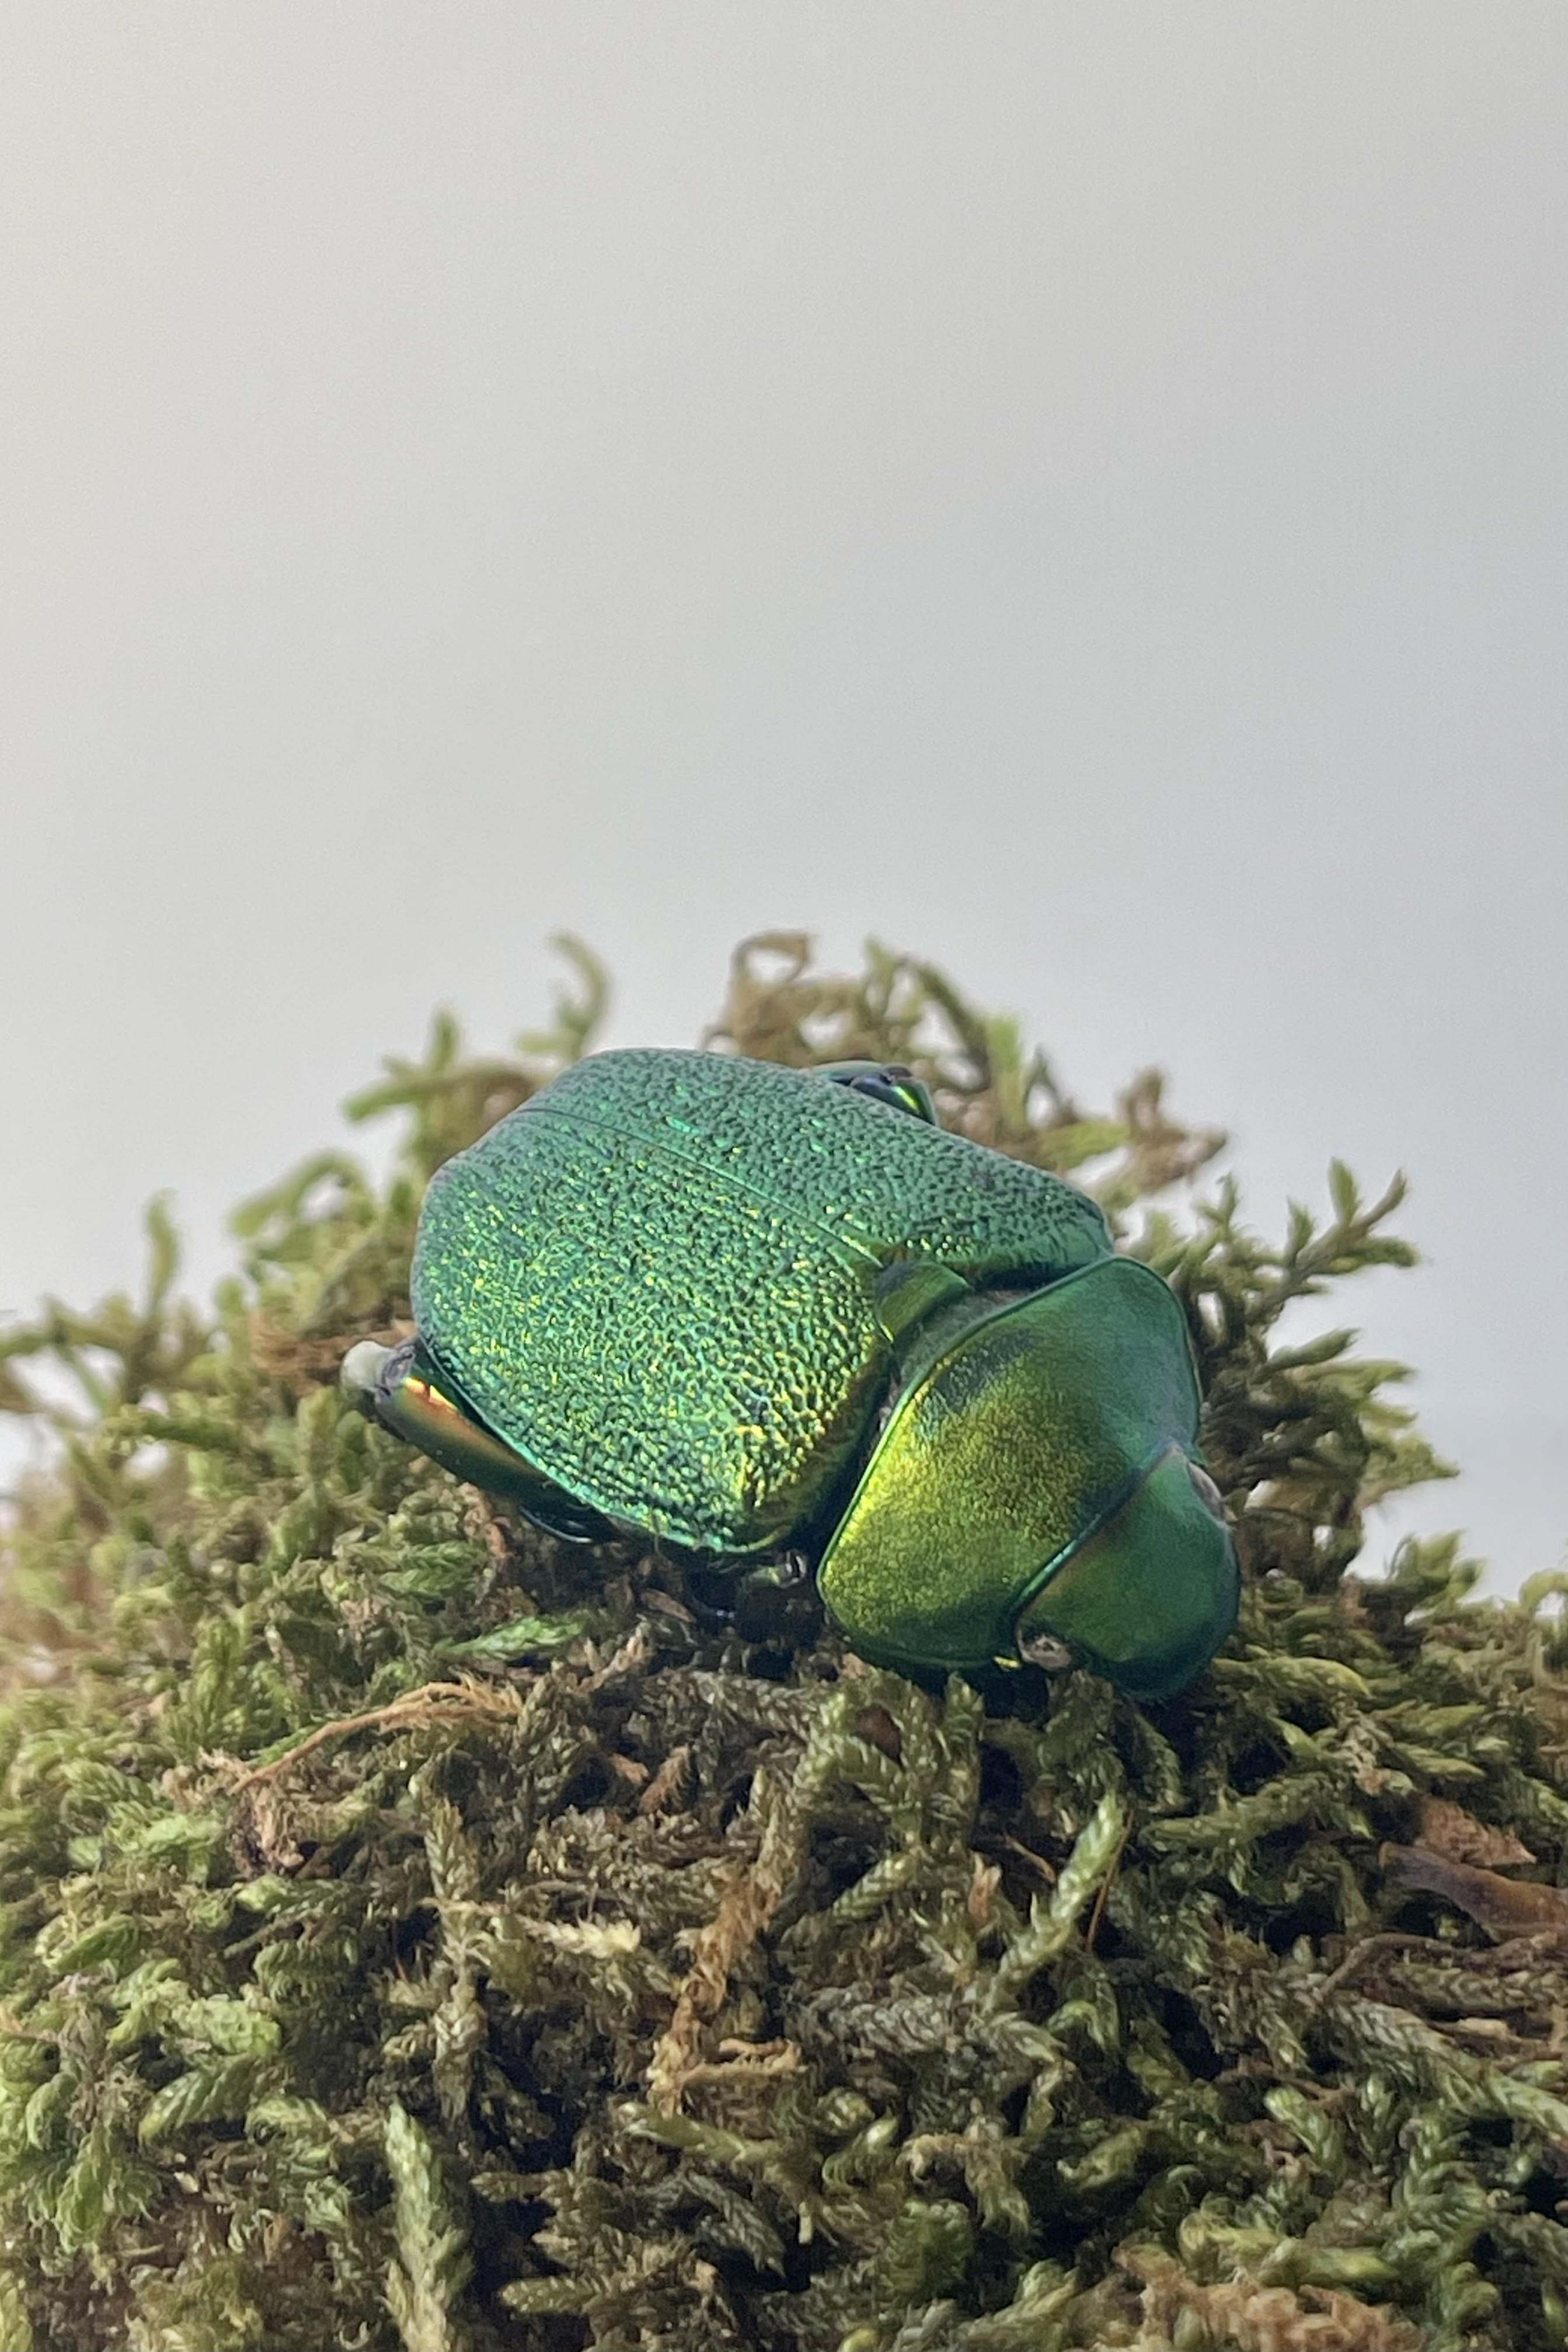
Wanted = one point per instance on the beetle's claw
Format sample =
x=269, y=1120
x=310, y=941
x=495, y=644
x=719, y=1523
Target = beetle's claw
x=359, y=1375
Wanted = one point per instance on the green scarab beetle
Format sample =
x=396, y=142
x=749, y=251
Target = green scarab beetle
x=747, y=1309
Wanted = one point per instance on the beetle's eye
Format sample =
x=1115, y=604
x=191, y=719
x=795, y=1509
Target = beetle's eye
x=1208, y=1492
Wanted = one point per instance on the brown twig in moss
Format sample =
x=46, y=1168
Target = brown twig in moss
x=431, y=1703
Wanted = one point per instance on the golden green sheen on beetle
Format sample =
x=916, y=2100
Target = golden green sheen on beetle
x=736, y=1305
x=1022, y=1438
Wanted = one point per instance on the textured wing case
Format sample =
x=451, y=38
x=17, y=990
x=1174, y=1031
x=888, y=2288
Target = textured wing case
x=654, y=1280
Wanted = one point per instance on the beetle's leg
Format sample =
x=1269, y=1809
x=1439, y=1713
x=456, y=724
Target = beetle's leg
x=886, y=1082
x=404, y=1390
x=787, y=1573
x=912, y=1290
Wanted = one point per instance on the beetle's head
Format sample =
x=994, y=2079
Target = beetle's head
x=1036, y=1484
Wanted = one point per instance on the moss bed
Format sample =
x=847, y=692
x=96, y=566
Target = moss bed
x=417, y=1933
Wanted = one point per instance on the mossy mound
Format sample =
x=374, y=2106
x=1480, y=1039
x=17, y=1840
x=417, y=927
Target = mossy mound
x=418, y=1933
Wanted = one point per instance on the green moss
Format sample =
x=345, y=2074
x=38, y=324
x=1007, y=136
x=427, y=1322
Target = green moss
x=415, y=1933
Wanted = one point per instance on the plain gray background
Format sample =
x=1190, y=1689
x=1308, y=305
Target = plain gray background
x=1074, y=491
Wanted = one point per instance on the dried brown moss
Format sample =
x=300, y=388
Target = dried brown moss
x=414, y=1932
